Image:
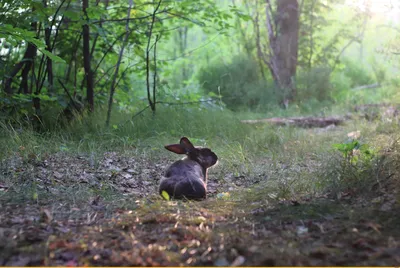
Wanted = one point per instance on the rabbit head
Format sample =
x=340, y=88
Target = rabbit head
x=204, y=156
x=187, y=178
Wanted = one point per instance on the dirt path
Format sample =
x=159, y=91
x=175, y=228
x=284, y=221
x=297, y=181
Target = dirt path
x=104, y=212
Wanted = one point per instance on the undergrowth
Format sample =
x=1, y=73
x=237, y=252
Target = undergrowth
x=281, y=162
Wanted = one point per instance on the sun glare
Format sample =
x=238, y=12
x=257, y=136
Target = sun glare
x=387, y=10
x=376, y=6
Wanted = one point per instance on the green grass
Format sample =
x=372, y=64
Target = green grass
x=276, y=177
x=290, y=161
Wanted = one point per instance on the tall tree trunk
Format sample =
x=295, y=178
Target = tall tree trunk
x=73, y=58
x=95, y=41
x=30, y=54
x=311, y=32
x=86, y=59
x=49, y=62
x=260, y=55
x=283, y=33
x=152, y=103
x=121, y=53
x=49, y=65
x=182, y=41
x=242, y=31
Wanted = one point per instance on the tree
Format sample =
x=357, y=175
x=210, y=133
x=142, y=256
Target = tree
x=87, y=59
x=121, y=53
x=283, y=32
x=91, y=36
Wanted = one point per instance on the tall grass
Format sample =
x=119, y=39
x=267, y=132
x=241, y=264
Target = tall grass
x=144, y=131
x=287, y=161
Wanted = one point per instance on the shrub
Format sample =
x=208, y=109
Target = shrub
x=238, y=83
x=314, y=84
x=357, y=73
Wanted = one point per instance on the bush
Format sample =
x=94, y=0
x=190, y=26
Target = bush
x=314, y=84
x=358, y=75
x=238, y=83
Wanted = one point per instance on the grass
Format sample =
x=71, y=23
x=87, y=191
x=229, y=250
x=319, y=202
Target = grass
x=106, y=179
x=289, y=158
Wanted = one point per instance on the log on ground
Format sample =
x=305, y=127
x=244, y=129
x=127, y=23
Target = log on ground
x=306, y=122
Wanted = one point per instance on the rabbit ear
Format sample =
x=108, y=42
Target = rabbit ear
x=186, y=144
x=176, y=148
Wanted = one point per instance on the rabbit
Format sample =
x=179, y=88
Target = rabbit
x=187, y=178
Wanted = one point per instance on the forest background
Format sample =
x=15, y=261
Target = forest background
x=92, y=90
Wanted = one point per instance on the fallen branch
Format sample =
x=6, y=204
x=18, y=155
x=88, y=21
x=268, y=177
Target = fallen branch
x=306, y=122
x=376, y=85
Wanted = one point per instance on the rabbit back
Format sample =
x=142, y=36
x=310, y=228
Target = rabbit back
x=185, y=179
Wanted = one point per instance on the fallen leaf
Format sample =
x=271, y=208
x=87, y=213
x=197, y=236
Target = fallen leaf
x=45, y=216
x=165, y=195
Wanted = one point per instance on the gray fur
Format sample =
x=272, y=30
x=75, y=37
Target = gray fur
x=187, y=178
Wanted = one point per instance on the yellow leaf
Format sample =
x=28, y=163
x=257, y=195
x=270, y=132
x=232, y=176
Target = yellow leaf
x=165, y=195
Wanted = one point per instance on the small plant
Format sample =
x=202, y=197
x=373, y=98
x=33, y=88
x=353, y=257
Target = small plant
x=353, y=151
x=356, y=162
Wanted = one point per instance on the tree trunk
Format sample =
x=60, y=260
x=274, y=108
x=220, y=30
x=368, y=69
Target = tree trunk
x=49, y=66
x=283, y=32
x=49, y=62
x=287, y=41
x=260, y=55
x=30, y=54
x=181, y=39
x=152, y=103
x=86, y=59
x=94, y=44
x=121, y=53
x=25, y=64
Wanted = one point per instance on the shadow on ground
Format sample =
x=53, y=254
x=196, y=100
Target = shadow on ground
x=75, y=211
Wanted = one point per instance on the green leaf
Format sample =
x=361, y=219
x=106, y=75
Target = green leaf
x=52, y=56
x=165, y=195
x=139, y=52
x=73, y=15
x=94, y=12
x=43, y=97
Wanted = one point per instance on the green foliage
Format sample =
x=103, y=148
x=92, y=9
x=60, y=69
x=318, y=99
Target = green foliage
x=238, y=83
x=358, y=74
x=354, y=169
x=202, y=58
x=314, y=84
x=312, y=22
x=353, y=151
x=284, y=160
x=24, y=22
x=14, y=36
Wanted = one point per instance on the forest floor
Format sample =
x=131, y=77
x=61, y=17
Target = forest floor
x=83, y=210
